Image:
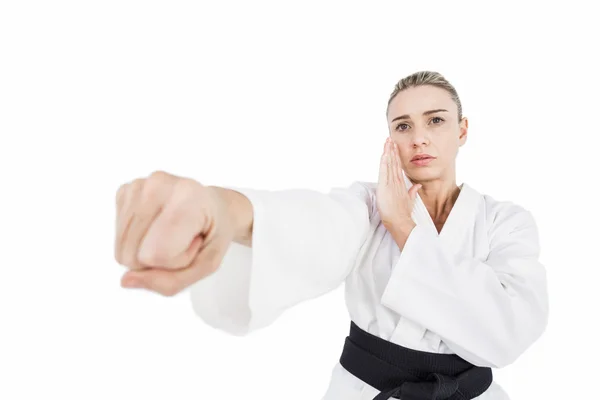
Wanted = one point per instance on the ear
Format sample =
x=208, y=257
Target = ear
x=464, y=128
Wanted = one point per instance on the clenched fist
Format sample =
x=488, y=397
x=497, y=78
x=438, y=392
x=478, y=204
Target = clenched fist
x=170, y=232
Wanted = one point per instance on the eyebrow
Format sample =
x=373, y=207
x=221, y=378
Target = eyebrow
x=406, y=116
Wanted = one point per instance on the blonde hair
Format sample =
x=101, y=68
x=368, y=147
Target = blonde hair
x=430, y=78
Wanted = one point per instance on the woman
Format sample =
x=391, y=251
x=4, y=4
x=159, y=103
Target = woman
x=443, y=283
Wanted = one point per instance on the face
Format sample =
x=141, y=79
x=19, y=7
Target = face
x=423, y=122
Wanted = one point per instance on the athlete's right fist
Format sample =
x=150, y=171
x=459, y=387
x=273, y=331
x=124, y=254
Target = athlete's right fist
x=171, y=231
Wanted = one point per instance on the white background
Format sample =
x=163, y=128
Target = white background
x=268, y=95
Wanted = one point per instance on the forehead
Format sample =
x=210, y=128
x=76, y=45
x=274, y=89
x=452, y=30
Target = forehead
x=416, y=100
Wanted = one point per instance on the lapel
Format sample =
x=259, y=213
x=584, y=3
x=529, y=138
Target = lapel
x=460, y=220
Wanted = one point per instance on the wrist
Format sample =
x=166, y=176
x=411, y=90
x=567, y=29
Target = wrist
x=401, y=226
x=239, y=213
x=401, y=230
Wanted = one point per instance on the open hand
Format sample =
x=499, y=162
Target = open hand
x=394, y=201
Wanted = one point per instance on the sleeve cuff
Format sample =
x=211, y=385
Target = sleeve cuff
x=416, y=272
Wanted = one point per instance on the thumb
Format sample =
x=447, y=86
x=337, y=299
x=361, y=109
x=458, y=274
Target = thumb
x=171, y=282
x=165, y=282
x=413, y=191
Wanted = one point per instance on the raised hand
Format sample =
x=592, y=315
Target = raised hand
x=394, y=201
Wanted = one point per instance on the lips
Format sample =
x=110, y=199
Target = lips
x=420, y=157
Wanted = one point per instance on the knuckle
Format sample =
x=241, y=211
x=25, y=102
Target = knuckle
x=123, y=258
x=185, y=188
x=152, y=258
x=160, y=176
x=135, y=187
x=153, y=189
x=121, y=193
x=128, y=260
x=117, y=255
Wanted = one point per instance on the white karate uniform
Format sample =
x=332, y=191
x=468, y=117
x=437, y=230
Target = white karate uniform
x=476, y=289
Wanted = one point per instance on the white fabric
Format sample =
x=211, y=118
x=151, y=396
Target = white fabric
x=476, y=289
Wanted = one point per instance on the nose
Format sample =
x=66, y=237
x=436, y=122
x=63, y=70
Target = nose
x=419, y=137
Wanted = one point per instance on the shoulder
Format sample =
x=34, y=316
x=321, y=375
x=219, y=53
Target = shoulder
x=507, y=219
x=366, y=192
x=364, y=186
x=500, y=212
x=359, y=194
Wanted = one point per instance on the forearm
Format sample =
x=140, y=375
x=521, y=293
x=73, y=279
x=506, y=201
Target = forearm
x=240, y=211
x=254, y=286
x=489, y=312
x=400, y=231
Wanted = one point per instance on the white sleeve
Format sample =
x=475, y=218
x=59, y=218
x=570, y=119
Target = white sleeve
x=304, y=244
x=487, y=312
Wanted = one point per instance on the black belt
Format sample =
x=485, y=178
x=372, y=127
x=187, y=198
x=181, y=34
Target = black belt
x=406, y=374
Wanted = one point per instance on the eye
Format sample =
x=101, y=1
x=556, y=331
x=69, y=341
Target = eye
x=437, y=120
x=402, y=127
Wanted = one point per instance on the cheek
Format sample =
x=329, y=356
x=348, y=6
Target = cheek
x=405, y=154
x=447, y=148
x=404, y=147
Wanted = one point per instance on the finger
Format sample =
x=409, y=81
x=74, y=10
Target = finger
x=153, y=195
x=155, y=259
x=120, y=201
x=125, y=213
x=171, y=282
x=414, y=190
x=187, y=257
x=401, y=173
x=397, y=167
x=120, y=196
x=389, y=162
x=177, y=228
x=383, y=165
x=394, y=162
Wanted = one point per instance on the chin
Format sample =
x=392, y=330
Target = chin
x=423, y=174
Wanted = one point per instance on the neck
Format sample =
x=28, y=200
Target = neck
x=439, y=197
